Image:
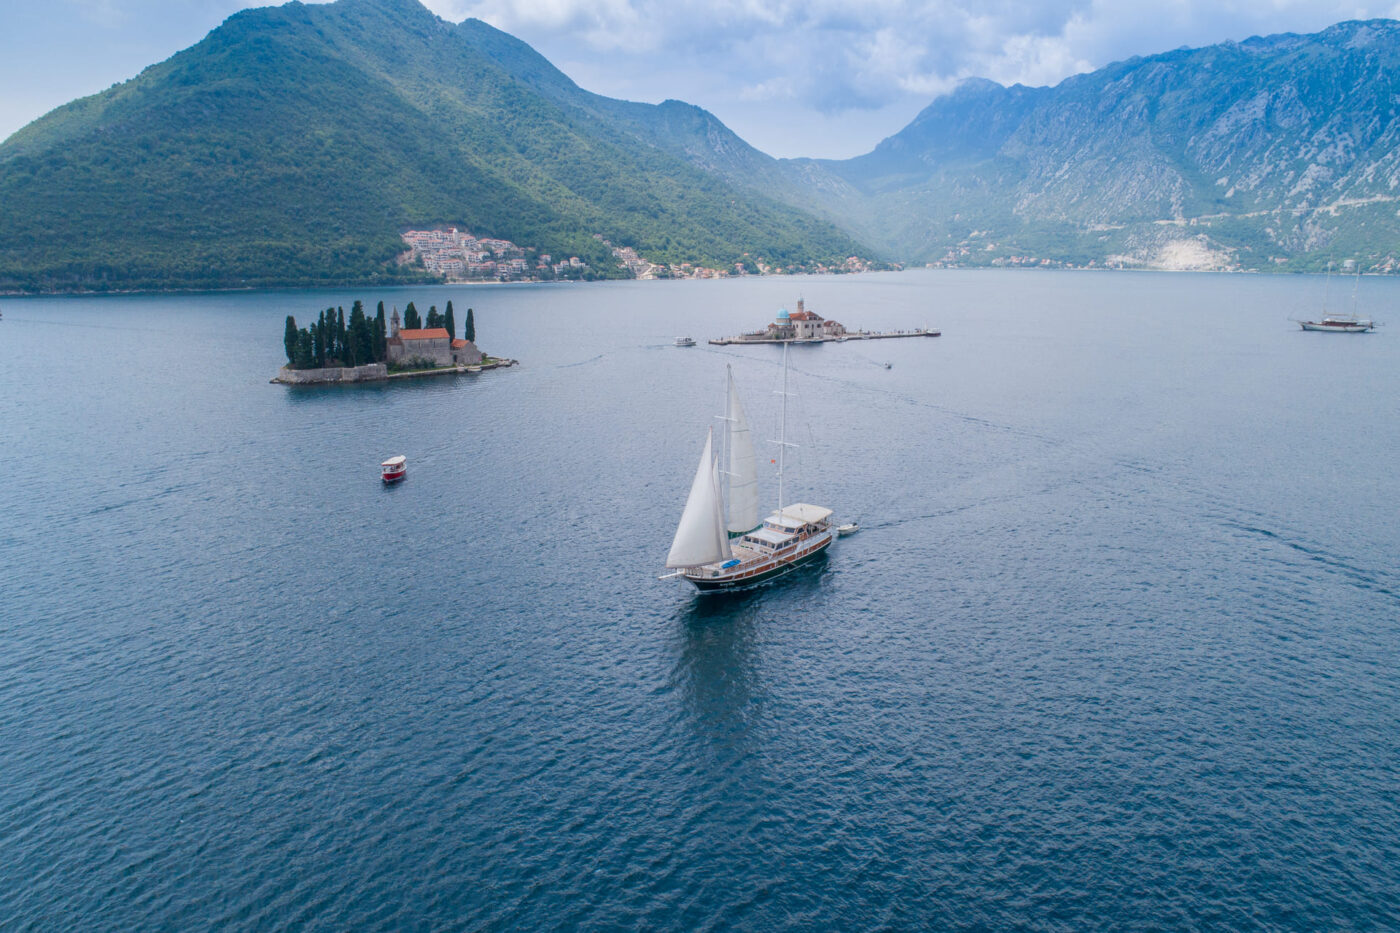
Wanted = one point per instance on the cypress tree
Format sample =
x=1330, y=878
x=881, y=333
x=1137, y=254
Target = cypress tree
x=361, y=338
x=340, y=341
x=306, y=352
x=381, y=334
x=449, y=323
x=411, y=320
x=434, y=319
x=469, y=331
x=289, y=339
x=352, y=335
x=318, y=337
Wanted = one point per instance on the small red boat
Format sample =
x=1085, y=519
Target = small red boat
x=394, y=469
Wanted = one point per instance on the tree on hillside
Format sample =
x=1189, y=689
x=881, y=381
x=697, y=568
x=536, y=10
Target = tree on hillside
x=289, y=339
x=449, y=323
x=411, y=319
x=469, y=330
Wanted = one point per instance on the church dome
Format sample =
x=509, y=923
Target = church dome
x=783, y=315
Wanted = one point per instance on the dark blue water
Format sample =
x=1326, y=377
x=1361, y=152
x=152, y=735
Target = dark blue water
x=1116, y=647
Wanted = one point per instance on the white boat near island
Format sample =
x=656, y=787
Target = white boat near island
x=393, y=469
x=685, y=341
x=720, y=544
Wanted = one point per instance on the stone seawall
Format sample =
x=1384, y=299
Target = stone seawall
x=366, y=373
x=374, y=372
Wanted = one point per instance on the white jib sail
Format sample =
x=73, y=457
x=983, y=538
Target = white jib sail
x=743, y=467
x=700, y=537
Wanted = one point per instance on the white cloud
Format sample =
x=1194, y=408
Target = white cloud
x=766, y=67
x=833, y=57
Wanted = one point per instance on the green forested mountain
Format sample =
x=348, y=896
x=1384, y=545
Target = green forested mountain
x=293, y=145
x=1280, y=152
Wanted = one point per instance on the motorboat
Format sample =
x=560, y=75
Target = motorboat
x=393, y=469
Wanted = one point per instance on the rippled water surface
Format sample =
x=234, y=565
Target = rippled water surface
x=1115, y=648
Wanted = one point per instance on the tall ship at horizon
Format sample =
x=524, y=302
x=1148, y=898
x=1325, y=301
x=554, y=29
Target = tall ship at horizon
x=720, y=543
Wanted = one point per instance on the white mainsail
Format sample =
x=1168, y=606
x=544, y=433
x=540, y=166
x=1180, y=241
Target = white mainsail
x=743, y=467
x=700, y=537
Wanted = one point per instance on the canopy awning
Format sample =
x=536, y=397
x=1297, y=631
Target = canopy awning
x=799, y=514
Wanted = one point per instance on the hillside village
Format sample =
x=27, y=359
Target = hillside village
x=459, y=256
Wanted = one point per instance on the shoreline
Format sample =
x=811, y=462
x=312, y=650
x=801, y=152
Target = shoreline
x=375, y=372
x=322, y=287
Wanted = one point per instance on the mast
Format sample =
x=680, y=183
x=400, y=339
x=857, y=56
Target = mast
x=782, y=440
x=727, y=443
x=782, y=431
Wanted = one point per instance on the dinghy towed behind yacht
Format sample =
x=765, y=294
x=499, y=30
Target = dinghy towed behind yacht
x=723, y=550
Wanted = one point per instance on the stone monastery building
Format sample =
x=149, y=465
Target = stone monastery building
x=429, y=344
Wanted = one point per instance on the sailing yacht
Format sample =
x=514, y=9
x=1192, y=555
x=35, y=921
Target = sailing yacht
x=1336, y=323
x=719, y=548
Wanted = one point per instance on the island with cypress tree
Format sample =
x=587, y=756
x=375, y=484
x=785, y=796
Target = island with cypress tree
x=361, y=348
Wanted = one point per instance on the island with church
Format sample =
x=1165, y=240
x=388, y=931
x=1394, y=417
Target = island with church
x=803, y=326
x=361, y=348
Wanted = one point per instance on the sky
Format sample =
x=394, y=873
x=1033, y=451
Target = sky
x=821, y=78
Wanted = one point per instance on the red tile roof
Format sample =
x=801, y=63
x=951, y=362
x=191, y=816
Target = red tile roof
x=458, y=344
x=424, y=333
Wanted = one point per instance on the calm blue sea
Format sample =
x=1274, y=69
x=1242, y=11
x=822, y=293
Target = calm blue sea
x=1115, y=649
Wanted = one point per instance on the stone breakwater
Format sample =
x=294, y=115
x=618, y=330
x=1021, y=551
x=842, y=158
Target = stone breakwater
x=373, y=372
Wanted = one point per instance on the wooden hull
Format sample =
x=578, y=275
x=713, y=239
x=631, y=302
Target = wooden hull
x=728, y=583
x=1357, y=328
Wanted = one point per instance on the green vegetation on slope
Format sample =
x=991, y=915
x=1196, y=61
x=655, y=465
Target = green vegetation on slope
x=293, y=144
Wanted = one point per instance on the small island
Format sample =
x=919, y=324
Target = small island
x=803, y=326
x=368, y=349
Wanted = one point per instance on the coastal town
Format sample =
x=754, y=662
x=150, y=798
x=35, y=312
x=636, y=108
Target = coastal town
x=461, y=257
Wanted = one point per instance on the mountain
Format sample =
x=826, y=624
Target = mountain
x=1275, y=152
x=295, y=143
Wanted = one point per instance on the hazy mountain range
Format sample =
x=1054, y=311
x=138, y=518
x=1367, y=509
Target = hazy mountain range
x=294, y=144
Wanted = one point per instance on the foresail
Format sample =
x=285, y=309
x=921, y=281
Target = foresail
x=743, y=468
x=700, y=537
